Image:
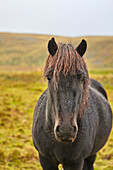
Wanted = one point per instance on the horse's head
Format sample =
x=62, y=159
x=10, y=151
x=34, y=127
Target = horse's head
x=68, y=80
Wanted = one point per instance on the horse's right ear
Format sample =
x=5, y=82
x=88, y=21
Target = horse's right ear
x=81, y=49
x=52, y=47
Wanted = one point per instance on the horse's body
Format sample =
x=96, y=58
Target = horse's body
x=93, y=130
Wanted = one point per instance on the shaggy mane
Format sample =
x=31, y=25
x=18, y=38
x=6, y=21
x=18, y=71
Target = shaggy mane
x=68, y=61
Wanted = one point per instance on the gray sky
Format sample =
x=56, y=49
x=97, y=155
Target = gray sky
x=57, y=17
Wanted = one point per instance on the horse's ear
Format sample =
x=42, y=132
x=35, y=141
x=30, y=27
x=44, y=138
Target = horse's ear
x=81, y=49
x=52, y=47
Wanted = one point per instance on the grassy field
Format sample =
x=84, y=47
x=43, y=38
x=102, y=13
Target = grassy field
x=30, y=50
x=19, y=92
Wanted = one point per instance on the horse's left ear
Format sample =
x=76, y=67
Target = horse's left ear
x=52, y=47
x=81, y=49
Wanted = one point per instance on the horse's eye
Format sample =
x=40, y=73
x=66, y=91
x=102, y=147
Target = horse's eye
x=83, y=78
x=47, y=76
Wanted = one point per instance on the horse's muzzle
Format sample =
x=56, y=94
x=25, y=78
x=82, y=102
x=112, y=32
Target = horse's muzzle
x=66, y=136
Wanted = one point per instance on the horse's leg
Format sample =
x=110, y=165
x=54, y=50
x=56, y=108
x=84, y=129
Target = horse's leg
x=47, y=164
x=88, y=163
x=72, y=166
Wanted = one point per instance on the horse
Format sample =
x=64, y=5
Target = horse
x=72, y=119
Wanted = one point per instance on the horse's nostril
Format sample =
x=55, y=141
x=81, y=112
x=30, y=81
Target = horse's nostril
x=57, y=128
x=58, y=131
x=74, y=129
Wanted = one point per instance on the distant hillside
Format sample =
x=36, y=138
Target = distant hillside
x=29, y=50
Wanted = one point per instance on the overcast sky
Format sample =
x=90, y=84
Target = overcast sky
x=57, y=17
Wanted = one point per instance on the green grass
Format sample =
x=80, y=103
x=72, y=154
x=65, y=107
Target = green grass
x=19, y=93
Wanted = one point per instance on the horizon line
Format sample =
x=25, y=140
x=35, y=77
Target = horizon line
x=10, y=32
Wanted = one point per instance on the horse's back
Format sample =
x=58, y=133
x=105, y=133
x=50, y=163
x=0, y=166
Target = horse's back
x=99, y=87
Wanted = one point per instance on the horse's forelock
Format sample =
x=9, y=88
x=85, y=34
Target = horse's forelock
x=66, y=60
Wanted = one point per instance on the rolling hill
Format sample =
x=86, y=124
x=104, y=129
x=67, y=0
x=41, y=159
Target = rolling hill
x=21, y=51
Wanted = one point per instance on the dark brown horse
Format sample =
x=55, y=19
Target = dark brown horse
x=72, y=119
